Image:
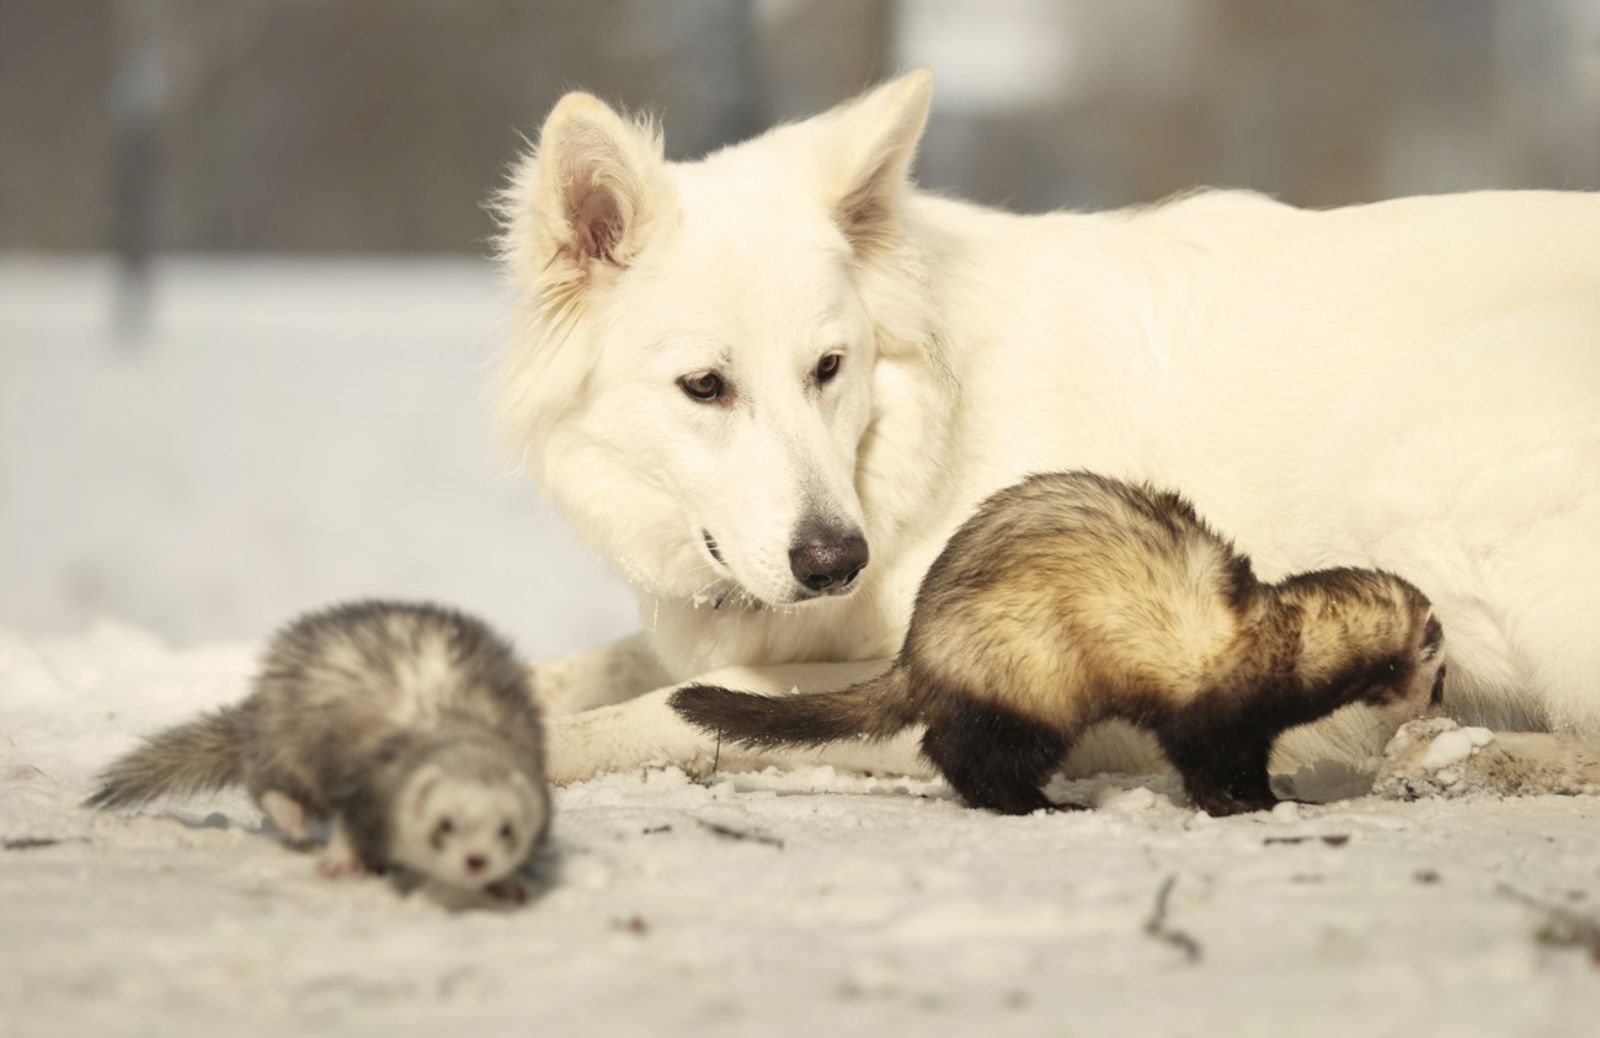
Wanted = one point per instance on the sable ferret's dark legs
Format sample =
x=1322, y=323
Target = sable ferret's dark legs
x=993, y=757
x=1223, y=772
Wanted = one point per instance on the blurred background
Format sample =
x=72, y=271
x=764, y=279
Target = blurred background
x=244, y=316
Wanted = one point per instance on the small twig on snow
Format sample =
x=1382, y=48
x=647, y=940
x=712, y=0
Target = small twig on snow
x=1331, y=839
x=737, y=834
x=1156, y=926
x=29, y=843
x=1562, y=927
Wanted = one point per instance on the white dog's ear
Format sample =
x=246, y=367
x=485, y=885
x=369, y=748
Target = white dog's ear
x=879, y=135
x=587, y=200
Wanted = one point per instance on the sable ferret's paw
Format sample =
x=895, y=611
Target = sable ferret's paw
x=1220, y=802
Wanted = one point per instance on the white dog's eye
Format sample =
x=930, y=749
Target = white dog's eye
x=705, y=386
x=828, y=366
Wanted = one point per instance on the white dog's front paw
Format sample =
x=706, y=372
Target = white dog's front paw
x=642, y=733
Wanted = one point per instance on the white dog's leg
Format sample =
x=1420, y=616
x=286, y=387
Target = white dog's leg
x=606, y=674
x=646, y=732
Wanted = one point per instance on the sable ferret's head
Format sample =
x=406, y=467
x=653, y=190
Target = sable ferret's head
x=466, y=827
x=1373, y=635
x=1408, y=679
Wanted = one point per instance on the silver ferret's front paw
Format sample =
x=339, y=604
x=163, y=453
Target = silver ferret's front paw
x=339, y=857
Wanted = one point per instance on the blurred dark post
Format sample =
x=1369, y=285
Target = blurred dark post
x=808, y=55
x=137, y=94
x=741, y=114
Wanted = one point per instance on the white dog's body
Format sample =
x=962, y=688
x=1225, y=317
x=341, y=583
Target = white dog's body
x=1413, y=385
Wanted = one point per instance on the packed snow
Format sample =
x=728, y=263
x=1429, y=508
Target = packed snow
x=804, y=902
x=263, y=454
x=1438, y=757
x=1454, y=747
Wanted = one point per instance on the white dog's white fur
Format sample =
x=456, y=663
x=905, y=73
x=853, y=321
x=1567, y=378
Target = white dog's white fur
x=1413, y=385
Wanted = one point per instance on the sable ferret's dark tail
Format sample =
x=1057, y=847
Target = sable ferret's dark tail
x=197, y=757
x=876, y=709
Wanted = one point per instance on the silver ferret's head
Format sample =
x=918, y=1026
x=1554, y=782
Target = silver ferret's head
x=466, y=830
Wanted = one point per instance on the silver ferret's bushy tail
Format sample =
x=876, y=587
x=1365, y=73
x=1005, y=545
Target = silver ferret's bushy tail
x=875, y=709
x=196, y=757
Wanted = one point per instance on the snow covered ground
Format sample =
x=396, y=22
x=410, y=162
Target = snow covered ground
x=289, y=434
x=824, y=904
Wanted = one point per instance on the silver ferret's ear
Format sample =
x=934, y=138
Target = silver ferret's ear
x=532, y=798
x=422, y=784
x=876, y=141
x=586, y=199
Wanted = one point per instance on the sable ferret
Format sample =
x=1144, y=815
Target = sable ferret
x=1070, y=599
x=411, y=728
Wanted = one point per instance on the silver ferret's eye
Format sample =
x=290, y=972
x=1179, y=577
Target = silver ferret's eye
x=505, y=832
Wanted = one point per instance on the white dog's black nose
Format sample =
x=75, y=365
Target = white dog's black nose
x=826, y=558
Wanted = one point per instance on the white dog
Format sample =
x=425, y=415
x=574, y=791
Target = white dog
x=769, y=384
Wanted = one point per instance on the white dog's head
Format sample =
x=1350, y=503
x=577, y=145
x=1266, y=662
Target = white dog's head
x=698, y=379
